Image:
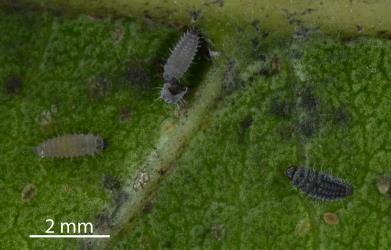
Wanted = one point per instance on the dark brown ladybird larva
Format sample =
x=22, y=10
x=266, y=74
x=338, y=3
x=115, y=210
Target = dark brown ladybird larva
x=318, y=185
x=71, y=146
x=177, y=64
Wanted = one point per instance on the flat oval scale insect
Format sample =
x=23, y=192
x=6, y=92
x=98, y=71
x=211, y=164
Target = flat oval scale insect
x=317, y=184
x=71, y=146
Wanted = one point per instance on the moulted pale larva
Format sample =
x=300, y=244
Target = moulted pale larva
x=177, y=64
x=317, y=184
x=71, y=146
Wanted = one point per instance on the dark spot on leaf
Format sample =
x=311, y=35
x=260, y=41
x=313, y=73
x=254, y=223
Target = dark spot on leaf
x=256, y=25
x=308, y=100
x=86, y=245
x=218, y=231
x=303, y=33
x=148, y=207
x=265, y=34
x=29, y=192
x=121, y=198
x=262, y=58
x=276, y=65
x=161, y=172
x=282, y=108
x=341, y=116
x=230, y=79
x=384, y=34
x=255, y=44
x=168, y=244
x=219, y=3
x=13, y=85
x=111, y=183
x=125, y=114
x=286, y=132
x=295, y=54
x=309, y=127
x=103, y=220
x=195, y=14
x=244, y=125
x=138, y=77
x=100, y=87
x=359, y=28
x=266, y=65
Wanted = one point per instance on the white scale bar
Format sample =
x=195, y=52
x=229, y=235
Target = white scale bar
x=69, y=236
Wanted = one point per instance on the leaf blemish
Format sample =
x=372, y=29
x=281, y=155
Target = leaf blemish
x=13, y=85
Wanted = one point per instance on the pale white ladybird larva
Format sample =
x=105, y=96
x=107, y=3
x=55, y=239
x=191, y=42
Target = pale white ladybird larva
x=71, y=146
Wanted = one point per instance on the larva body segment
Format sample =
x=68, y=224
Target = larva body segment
x=71, y=146
x=181, y=56
x=318, y=185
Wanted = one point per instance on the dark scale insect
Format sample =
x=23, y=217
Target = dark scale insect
x=71, y=146
x=318, y=185
x=177, y=64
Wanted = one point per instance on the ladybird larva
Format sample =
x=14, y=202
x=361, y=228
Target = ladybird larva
x=317, y=184
x=71, y=146
x=181, y=56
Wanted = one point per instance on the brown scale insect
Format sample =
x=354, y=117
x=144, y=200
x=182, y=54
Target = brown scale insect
x=318, y=185
x=177, y=64
x=71, y=146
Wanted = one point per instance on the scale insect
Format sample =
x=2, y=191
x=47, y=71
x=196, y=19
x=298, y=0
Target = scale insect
x=72, y=145
x=177, y=64
x=317, y=184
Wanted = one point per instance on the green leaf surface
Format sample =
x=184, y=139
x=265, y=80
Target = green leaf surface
x=206, y=175
x=79, y=75
x=229, y=190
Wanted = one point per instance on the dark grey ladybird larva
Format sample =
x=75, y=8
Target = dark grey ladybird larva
x=177, y=64
x=318, y=185
x=71, y=146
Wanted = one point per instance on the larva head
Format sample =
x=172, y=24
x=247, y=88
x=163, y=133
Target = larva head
x=290, y=171
x=39, y=150
x=167, y=94
x=349, y=190
x=100, y=143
